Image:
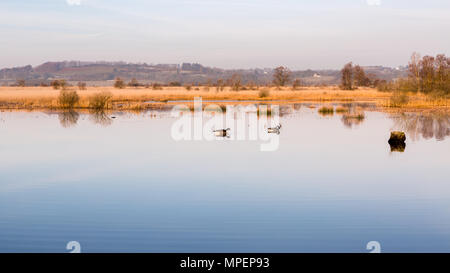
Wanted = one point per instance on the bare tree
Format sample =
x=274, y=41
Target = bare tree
x=297, y=84
x=281, y=76
x=442, y=71
x=347, y=77
x=360, y=76
x=134, y=83
x=235, y=82
x=427, y=71
x=220, y=85
x=414, y=69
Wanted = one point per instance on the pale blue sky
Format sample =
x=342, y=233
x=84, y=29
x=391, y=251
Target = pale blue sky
x=300, y=34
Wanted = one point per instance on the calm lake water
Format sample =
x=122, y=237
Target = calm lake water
x=125, y=185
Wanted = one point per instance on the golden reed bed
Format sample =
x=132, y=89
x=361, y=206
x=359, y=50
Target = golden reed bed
x=137, y=98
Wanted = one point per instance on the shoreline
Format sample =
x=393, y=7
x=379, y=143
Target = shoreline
x=141, y=99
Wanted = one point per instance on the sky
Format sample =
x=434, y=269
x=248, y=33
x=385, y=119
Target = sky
x=299, y=34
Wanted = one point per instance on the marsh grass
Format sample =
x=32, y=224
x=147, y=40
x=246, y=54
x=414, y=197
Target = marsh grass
x=68, y=98
x=326, y=110
x=357, y=116
x=398, y=99
x=263, y=93
x=100, y=101
x=342, y=110
x=351, y=120
x=47, y=97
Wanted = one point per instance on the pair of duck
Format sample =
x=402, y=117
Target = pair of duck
x=224, y=132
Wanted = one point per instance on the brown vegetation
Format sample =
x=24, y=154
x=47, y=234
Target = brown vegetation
x=68, y=98
x=296, y=84
x=281, y=76
x=82, y=86
x=100, y=101
x=347, y=77
x=129, y=98
x=264, y=93
x=235, y=82
x=59, y=84
x=119, y=83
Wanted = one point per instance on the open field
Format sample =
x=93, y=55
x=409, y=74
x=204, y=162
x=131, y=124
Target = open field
x=140, y=98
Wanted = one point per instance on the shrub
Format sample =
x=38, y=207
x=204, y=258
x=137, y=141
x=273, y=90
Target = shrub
x=63, y=84
x=325, y=110
x=188, y=87
x=383, y=86
x=398, y=99
x=68, y=98
x=55, y=84
x=157, y=86
x=406, y=85
x=264, y=93
x=20, y=83
x=100, y=101
x=119, y=83
x=134, y=83
x=296, y=84
x=82, y=85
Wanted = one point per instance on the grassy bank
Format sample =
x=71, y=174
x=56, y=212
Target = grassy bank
x=139, y=98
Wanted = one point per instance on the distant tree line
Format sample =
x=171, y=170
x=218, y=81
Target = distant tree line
x=428, y=75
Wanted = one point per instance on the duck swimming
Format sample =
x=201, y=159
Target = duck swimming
x=274, y=130
x=221, y=132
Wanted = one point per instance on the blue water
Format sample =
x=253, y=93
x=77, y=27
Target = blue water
x=124, y=185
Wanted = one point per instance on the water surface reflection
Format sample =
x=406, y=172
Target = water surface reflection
x=69, y=118
x=101, y=118
x=426, y=125
x=126, y=185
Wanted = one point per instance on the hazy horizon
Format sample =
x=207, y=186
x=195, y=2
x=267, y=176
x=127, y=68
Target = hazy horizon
x=180, y=63
x=225, y=34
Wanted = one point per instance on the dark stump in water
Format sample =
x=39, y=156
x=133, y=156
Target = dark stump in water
x=398, y=147
x=397, y=141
